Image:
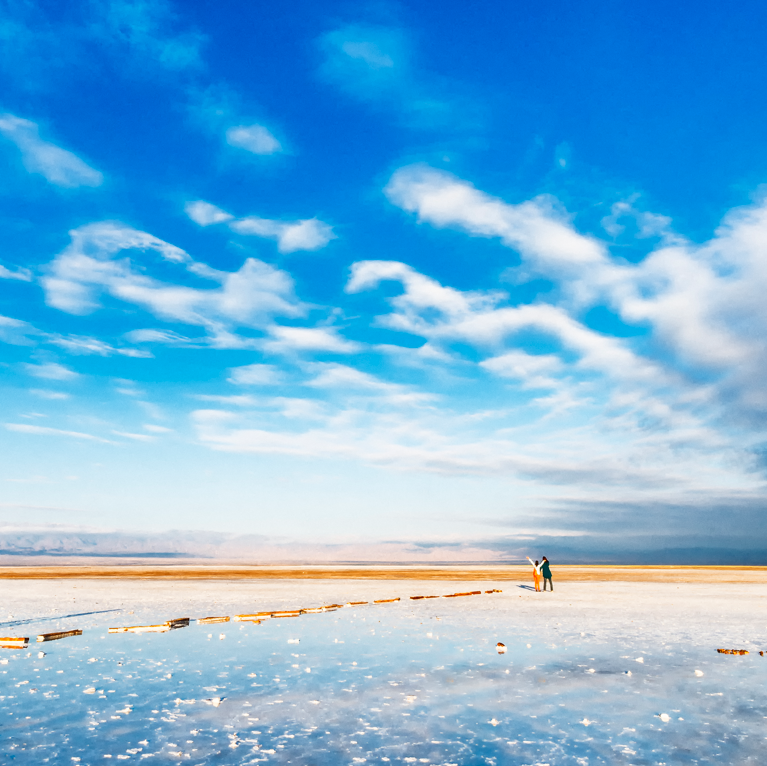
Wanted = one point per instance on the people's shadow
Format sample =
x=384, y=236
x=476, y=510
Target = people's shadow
x=527, y=587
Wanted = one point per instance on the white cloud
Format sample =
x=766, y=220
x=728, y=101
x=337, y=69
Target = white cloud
x=81, y=345
x=156, y=336
x=235, y=400
x=253, y=138
x=89, y=267
x=134, y=437
x=332, y=375
x=56, y=165
x=533, y=370
x=309, y=234
x=16, y=331
x=443, y=314
x=22, y=275
x=286, y=340
x=205, y=214
x=45, y=431
x=536, y=228
x=45, y=394
x=255, y=375
x=291, y=236
x=648, y=224
x=374, y=65
x=51, y=371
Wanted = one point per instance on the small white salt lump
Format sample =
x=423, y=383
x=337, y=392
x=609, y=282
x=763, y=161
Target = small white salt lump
x=586, y=722
x=294, y=640
x=699, y=673
x=640, y=659
x=221, y=636
x=90, y=690
x=40, y=655
x=665, y=717
x=494, y=722
x=501, y=648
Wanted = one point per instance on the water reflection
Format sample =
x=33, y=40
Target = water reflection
x=398, y=683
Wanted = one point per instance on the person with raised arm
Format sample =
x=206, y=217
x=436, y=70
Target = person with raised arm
x=536, y=575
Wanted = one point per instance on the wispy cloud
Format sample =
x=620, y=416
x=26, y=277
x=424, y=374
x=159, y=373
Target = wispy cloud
x=89, y=267
x=289, y=340
x=58, y=166
x=308, y=234
x=256, y=139
x=205, y=214
x=254, y=375
x=538, y=229
x=16, y=331
x=51, y=371
x=86, y=346
x=24, y=428
x=20, y=274
x=376, y=65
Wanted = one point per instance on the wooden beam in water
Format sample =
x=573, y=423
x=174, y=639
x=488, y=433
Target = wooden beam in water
x=56, y=636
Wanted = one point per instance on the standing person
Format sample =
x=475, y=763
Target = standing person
x=546, y=572
x=536, y=575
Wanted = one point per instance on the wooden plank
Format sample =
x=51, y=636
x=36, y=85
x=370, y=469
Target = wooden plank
x=386, y=600
x=251, y=617
x=14, y=639
x=163, y=628
x=211, y=620
x=56, y=636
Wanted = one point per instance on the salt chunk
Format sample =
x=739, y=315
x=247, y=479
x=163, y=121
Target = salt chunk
x=640, y=659
x=494, y=722
x=586, y=722
x=699, y=673
x=293, y=640
x=665, y=717
x=40, y=655
x=221, y=636
x=90, y=690
x=307, y=670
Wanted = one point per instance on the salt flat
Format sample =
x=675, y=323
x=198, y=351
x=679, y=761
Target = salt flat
x=597, y=672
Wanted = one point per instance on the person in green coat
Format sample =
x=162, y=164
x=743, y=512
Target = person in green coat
x=546, y=572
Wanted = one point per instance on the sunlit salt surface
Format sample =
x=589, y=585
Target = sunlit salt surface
x=413, y=682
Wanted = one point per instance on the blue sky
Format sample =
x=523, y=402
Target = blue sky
x=397, y=277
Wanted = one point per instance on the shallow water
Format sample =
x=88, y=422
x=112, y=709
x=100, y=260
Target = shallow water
x=414, y=682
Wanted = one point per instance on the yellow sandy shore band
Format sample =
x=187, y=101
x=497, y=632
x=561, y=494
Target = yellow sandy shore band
x=563, y=573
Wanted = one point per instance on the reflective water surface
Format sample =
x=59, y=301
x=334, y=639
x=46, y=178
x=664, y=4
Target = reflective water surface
x=406, y=683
